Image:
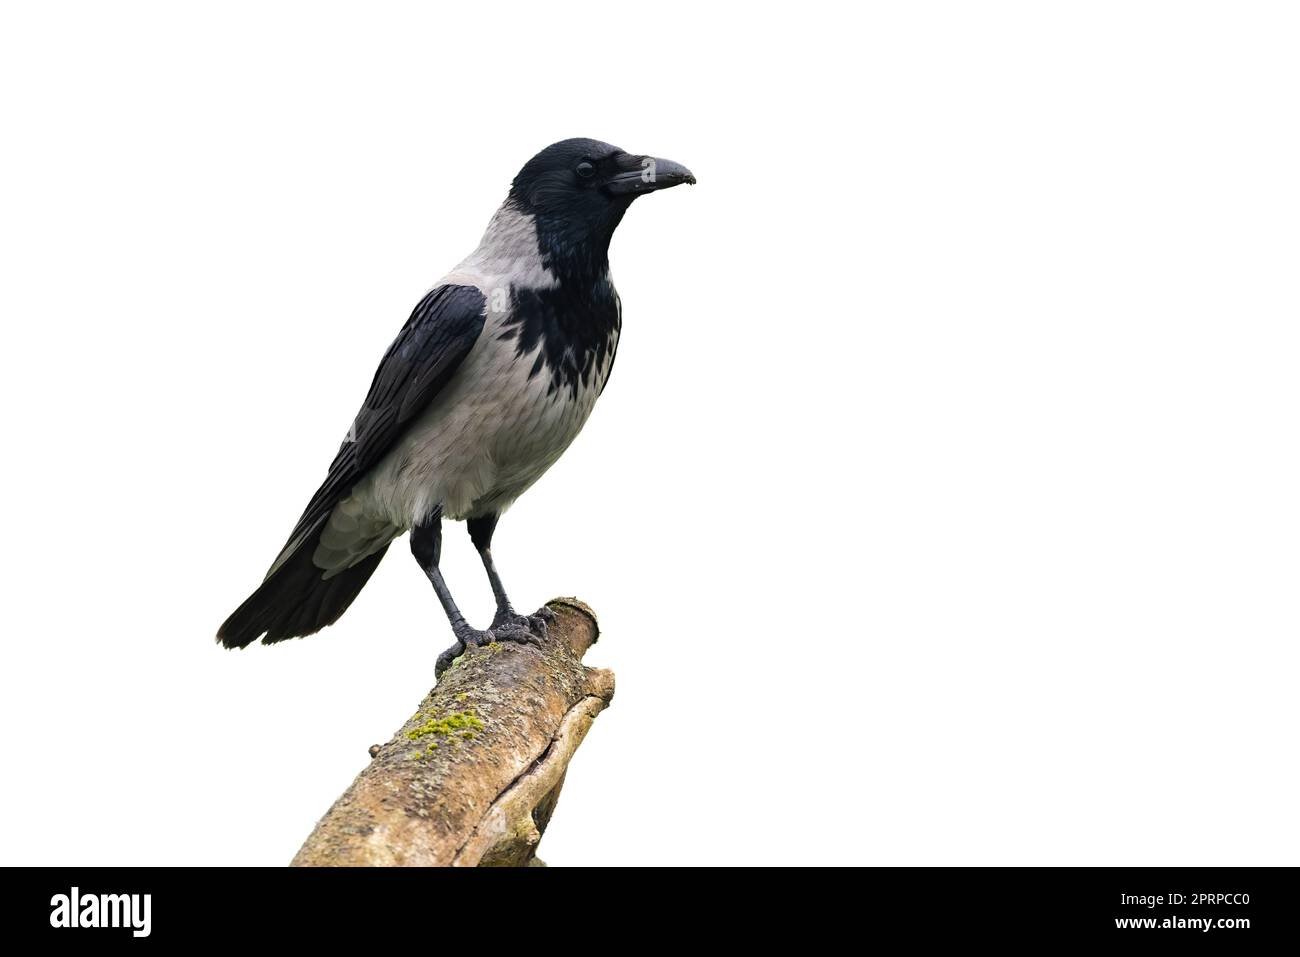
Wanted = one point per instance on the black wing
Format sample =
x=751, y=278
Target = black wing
x=423, y=357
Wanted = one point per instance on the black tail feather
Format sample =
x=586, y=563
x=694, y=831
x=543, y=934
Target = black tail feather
x=296, y=600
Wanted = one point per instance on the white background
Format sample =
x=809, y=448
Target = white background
x=942, y=507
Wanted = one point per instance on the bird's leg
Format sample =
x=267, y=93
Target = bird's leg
x=480, y=533
x=426, y=546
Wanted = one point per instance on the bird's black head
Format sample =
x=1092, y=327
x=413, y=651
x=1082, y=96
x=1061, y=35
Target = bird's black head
x=578, y=190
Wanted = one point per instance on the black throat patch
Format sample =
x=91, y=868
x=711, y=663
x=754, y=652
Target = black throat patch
x=573, y=325
x=572, y=329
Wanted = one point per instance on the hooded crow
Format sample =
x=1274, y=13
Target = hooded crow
x=481, y=392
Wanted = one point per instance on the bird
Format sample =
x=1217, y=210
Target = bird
x=491, y=378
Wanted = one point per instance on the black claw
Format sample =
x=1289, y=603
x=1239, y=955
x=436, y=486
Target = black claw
x=447, y=657
x=518, y=633
x=520, y=629
x=534, y=625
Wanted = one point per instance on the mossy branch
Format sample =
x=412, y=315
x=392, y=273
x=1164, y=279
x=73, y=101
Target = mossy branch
x=473, y=776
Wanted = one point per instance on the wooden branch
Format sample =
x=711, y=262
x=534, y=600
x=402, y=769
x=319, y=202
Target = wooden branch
x=472, y=778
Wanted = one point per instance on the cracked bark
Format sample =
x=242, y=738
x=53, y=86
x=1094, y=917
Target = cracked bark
x=472, y=778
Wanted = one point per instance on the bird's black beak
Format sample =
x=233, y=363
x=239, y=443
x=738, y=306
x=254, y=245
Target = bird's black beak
x=645, y=174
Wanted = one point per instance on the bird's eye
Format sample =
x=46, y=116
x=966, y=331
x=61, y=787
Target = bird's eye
x=585, y=170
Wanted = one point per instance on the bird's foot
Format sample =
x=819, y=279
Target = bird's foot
x=535, y=623
x=447, y=657
x=517, y=628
